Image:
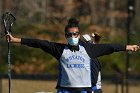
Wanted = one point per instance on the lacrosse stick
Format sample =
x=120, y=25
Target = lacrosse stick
x=8, y=20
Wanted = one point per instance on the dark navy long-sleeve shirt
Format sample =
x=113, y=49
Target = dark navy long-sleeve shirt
x=56, y=49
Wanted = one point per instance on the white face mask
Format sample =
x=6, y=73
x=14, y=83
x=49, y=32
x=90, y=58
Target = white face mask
x=73, y=41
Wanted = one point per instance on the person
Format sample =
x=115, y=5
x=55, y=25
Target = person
x=94, y=38
x=74, y=58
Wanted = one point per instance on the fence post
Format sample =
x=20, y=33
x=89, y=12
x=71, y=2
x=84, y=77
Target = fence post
x=0, y=85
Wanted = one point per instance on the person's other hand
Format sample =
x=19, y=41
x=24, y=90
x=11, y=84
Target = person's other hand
x=132, y=47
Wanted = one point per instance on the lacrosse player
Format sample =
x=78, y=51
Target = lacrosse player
x=95, y=65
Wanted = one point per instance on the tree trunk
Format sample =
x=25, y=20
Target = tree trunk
x=112, y=19
x=92, y=4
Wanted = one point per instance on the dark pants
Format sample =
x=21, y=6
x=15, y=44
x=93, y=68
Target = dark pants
x=71, y=91
x=98, y=91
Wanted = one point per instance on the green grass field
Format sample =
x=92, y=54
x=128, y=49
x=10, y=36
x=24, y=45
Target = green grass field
x=34, y=86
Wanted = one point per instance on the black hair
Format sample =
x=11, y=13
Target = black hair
x=72, y=22
x=97, y=37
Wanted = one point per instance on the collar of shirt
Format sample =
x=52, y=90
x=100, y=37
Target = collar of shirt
x=73, y=48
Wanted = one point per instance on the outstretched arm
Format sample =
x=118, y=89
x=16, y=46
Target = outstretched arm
x=55, y=49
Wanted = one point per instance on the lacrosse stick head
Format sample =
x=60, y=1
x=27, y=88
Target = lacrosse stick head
x=8, y=20
x=86, y=38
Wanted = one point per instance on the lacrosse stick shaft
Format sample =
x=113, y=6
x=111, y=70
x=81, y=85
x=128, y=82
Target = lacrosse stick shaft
x=9, y=68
